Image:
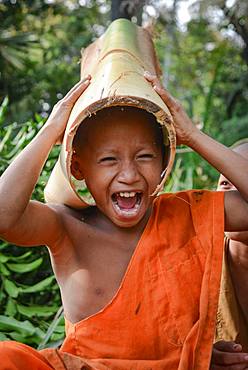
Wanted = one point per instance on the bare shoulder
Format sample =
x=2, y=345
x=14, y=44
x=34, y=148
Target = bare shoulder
x=82, y=225
x=236, y=212
x=68, y=216
x=40, y=224
x=74, y=221
x=79, y=228
x=64, y=211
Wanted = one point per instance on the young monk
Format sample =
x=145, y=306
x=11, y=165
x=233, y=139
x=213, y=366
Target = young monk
x=139, y=277
x=231, y=348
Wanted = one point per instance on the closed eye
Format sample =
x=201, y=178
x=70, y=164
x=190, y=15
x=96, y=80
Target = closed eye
x=146, y=156
x=107, y=159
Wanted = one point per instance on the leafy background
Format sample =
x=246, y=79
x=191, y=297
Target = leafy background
x=205, y=65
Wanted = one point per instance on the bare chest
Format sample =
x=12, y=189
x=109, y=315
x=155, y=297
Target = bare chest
x=91, y=274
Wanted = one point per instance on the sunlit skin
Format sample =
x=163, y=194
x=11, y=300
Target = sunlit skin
x=227, y=352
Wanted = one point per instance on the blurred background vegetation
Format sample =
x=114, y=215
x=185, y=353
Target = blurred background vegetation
x=203, y=50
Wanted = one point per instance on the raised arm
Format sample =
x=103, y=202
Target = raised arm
x=26, y=222
x=233, y=166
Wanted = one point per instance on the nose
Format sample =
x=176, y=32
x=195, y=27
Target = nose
x=128, y=173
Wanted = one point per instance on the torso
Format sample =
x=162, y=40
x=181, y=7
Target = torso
x=91, y=262
x=238, y=253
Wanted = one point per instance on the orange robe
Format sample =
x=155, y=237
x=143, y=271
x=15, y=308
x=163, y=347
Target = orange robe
x=163, y=315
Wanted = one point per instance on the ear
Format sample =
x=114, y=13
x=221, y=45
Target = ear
x=76, y=167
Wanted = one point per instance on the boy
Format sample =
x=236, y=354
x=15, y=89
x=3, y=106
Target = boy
x=126, y=267
x=232, y=311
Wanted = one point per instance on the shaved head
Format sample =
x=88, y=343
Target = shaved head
x=241, y=148
x=115, y=114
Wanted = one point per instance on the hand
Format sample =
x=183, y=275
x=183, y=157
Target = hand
x=61, y=111
x=228, y=355
x=185, y=128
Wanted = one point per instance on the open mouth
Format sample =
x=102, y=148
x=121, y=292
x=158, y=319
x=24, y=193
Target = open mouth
x=127, y=203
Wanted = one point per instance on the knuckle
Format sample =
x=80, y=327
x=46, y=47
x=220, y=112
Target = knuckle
x=161, y=88
x=152, y=77
x=219, y=345
x=177, y=105
x=64, y=103
x=59, y=102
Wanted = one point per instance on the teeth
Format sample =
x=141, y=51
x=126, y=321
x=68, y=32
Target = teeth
x=127, y=194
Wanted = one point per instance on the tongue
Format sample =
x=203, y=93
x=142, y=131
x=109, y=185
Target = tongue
x=126, y=203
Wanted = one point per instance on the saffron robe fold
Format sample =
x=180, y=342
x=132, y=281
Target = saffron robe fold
x=231, y=324
x=163, y=315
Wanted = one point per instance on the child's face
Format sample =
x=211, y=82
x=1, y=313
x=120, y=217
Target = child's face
x=121, y=162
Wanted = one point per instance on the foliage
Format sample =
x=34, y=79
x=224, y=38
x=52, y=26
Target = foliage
x=205, y=66
x=29, y=295
x=40, y=51
x=205, y=69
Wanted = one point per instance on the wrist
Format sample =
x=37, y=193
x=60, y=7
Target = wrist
x=50, y=131
x=194, y=138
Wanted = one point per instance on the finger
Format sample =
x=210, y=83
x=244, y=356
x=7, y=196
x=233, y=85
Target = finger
x=79, y=83
x=229, y=346
x=168, y=99
x=150, y=77
x=230, y=367
x=165, y=95
x=77, y=89
x=153, y=79
x=227, y=358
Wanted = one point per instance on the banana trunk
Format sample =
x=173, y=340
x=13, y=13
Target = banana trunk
x=116, y=61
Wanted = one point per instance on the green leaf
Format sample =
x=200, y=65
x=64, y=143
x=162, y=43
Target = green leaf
x=3, y=109
x=42, y=285
x=8, y=324
x=52, y=328
x=3, y=258
x=35, y=338
x=55, y=344
x=2, y=296
x=25, y=267
x=40, y=311
x=14, y=57
x=5, y=138
x=3, y=337
x=4, y=270
x=17, y=337
x=11, y=288
x=3, y=244
x=57, y=336
x=21, y=257
x=10, y=309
